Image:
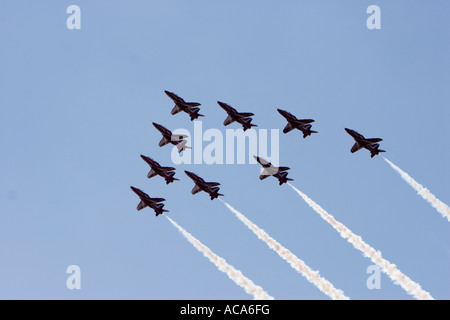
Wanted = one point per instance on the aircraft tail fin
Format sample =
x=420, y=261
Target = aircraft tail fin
x=170, y=177
x=374, y=150
x=285, y=180
x=194, y=114
x=216, y=195
x=282, y=178
x=160, y=211
x=308, y=133
x=246, y=127
x=247, y=123
x=182, y=146
x=160, y=207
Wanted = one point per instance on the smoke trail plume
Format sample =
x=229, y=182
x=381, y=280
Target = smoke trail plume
x=312, y=276
x=423, y=192
x=235, y=275
x=390, y=269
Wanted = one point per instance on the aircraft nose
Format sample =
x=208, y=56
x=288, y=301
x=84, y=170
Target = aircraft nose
x=189, y=174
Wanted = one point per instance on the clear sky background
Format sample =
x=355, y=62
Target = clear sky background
x=76, y=108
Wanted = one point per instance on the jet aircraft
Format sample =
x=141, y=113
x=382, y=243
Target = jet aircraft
x=269, y=170
x=362, y=142
x=156, y=169
x=200, y=185
x=293, y=123
x=146, y=201
x=190, y=108
x=175, y=139
x=244, y=118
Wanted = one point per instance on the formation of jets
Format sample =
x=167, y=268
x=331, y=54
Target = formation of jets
x=244, y=119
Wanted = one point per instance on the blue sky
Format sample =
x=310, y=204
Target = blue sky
x=76, y=108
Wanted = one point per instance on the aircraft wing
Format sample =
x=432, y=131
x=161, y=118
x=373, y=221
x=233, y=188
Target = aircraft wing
x=176, y=109
x=196, y=189
x=304, y=121
x=280, y=169
x=228, y=120
x=156, y=200
x=288, y=128
x=244, y=114
x=165, y=169
x=163, y=142
x=373, y=140
x=191, y=105
x=212, y=184
x=355, y=147
x=263, y=176
x=151, y=174
x=141, y=205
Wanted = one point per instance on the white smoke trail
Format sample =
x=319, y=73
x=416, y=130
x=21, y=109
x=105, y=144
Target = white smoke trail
x=390, y=269
x=423, y=192
x=235, y=275
x=312, y=276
